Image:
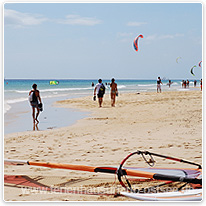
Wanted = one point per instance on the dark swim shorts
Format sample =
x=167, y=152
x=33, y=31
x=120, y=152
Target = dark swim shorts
x=34, y=104
x=100, y=95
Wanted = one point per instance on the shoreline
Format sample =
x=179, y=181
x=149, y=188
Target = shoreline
x=169, y=123
x=52, y=117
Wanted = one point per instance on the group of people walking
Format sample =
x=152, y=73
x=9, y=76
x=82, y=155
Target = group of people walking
x=186, y=84
x=99, y=90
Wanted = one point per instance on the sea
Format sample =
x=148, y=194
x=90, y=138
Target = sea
x=17, y=110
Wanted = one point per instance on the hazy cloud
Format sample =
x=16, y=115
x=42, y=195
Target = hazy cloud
x=124, y=34
x=166, y=36
x=78, y=20
x=151, y=37
x=133, y=23
x=19, y=19
x=170, y=36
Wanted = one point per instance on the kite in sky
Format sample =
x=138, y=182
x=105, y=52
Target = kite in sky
x=177, y=60
x=191, y=71
x=200, y=63
x=136, y=42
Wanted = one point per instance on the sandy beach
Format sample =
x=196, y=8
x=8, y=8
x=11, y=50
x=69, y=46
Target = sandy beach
x=168, y=123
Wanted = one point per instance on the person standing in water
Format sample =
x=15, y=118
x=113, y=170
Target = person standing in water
x=35, y=102
x=170, y=83
x=114, y=92
x=159, y=82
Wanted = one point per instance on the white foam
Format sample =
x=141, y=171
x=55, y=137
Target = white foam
x=121, y=86
x=7, y=107
x=12, y=101
x=54, y=90
x=7, y=103
x=175, y=83
x=183, y=89
x=146, y=85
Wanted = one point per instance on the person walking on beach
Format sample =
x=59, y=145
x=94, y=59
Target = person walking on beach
x=35, y=101
x=195, y=83
x=184, y=84
x=100, y=90
x=159, y=82
x=201, y=84
x=114, y=92
x=187, y=83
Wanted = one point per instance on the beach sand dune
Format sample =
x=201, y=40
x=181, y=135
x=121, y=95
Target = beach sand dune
x=168, y=123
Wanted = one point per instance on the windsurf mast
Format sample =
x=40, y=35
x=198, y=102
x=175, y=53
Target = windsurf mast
x=143, y=153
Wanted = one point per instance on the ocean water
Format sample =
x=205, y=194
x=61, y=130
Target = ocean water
x=16, y=106
x=16, y=90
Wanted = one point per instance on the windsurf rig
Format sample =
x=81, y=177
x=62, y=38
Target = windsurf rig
x=170, y=175
x=131, y=178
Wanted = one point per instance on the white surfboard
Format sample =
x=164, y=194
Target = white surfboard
x=187, y=195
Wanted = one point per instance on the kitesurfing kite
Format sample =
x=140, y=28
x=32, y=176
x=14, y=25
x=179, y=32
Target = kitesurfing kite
x=54, y=82
x=191, y=71
x=177, y=60
x=132, y=177
x=136, y=42
x=200, y=63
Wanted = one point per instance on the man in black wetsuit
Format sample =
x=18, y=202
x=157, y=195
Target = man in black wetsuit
x=35, y=101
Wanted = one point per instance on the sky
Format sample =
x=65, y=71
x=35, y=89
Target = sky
x=95, y=40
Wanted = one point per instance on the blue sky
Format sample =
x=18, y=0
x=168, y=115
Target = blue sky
x=91, y=41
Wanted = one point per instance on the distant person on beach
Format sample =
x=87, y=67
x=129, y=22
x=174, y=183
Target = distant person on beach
x=170, y=83
x=184, y=84
x=195, y=83
x=201, y=84
x=159, y=82
x=100, y=90
x=114, y=92
x=187, y=83
x=35, y=101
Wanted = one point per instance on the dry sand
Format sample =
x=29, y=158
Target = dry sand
x=168, y=123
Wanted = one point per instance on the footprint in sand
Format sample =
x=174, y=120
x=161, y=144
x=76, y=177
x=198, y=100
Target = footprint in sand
x=113, y=150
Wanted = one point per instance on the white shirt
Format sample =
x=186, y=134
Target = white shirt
x=98, y=85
